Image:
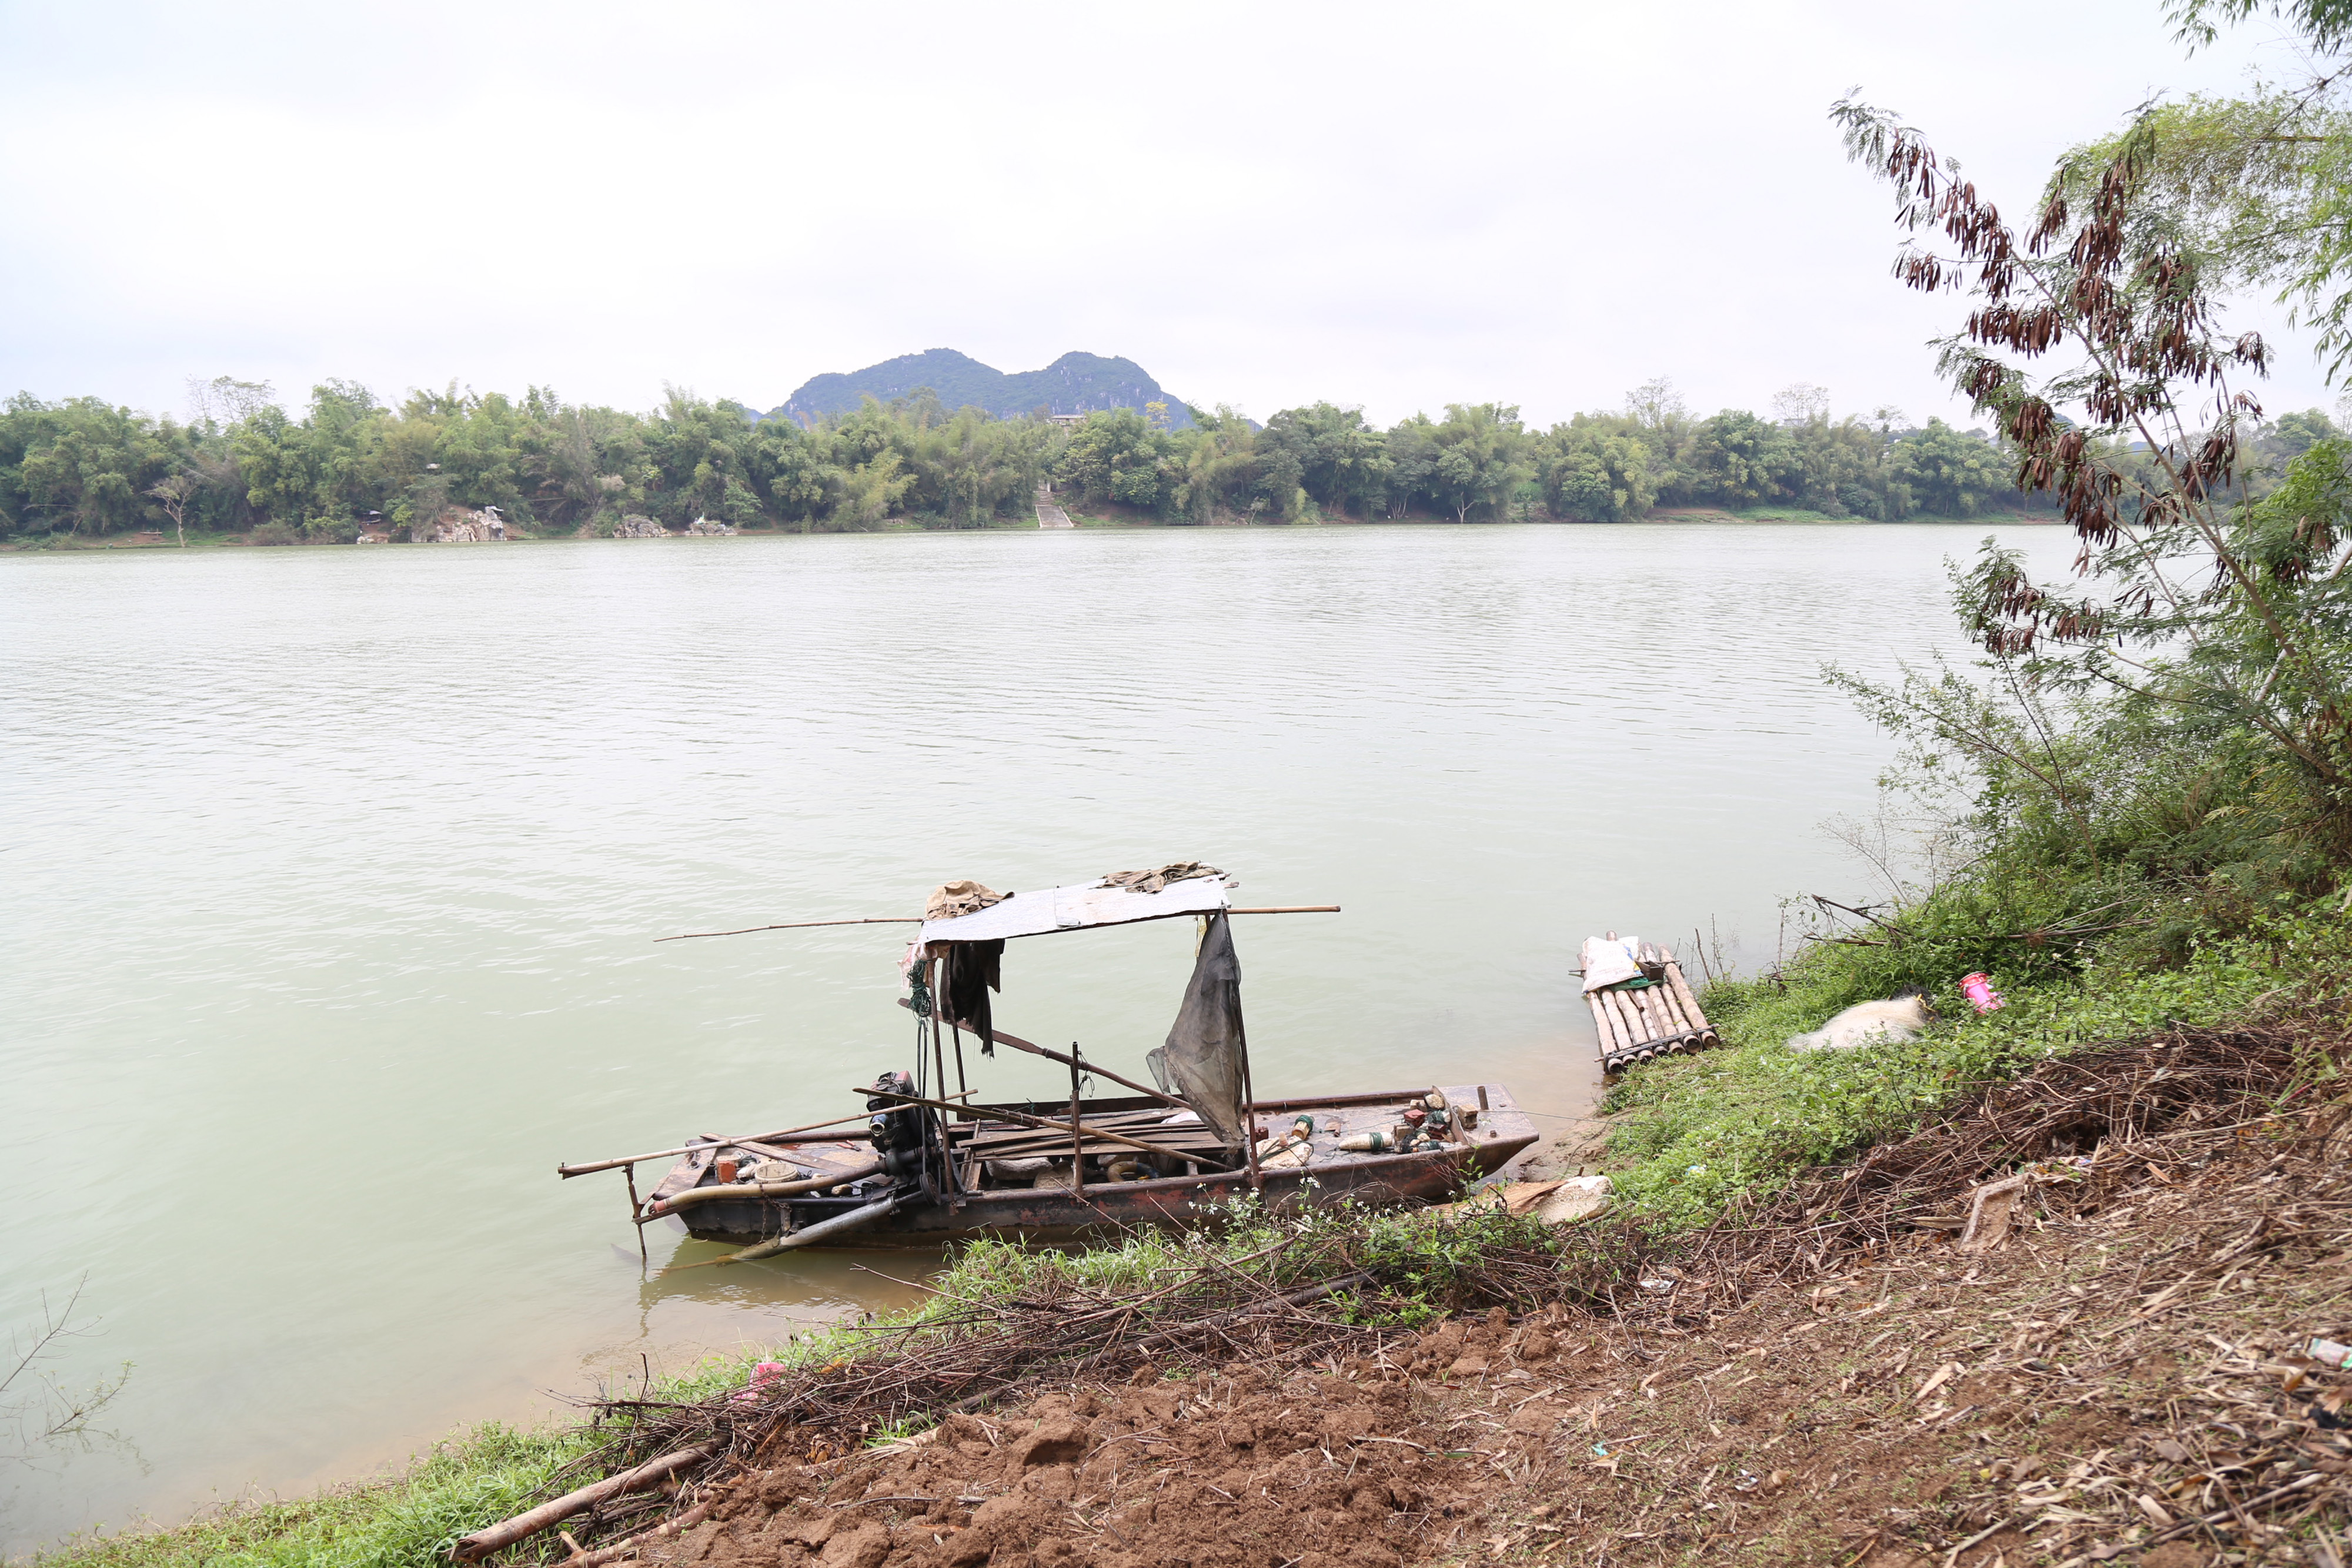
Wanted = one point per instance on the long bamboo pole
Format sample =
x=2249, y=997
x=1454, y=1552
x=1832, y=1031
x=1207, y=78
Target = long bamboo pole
x=1605, y=1007
x=1669, y=1007
x=918, y=920
x=1628, y=1033
x=1683, y=994
x=1644, y=1012
x=1249, y=1122
x=568, y=1172
x=1629, y=1009
x=940, y=1062
x=801, y=926
x=1651, y=1001
x=938, y=1001
x=1601, y=1023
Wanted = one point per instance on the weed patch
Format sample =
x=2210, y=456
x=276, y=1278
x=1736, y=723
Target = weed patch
x=1692, y=1134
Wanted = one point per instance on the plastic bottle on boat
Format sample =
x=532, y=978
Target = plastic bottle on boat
x=1292, y=1148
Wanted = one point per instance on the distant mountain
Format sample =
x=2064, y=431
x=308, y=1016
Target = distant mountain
x=1074, y=384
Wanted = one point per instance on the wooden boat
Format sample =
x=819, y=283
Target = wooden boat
x=990, y=1207
x=935, y=1165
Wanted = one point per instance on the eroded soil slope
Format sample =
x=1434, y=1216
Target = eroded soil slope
x=2123, y=1376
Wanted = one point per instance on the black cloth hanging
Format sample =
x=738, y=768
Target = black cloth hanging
x=974, y=969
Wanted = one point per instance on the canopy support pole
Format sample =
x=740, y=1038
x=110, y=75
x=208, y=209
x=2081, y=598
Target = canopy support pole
x=947, y=1153
x=1077, y=1139
x=1249, y=1123
x=636, y=1210
x=964, y=1089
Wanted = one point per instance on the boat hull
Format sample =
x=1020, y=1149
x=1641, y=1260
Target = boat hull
x=1058, y=1213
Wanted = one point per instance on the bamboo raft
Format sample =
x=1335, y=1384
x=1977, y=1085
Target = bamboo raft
x=1649, y=1015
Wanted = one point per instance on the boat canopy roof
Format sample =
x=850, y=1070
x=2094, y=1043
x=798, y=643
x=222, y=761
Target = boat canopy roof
x=1079, y=908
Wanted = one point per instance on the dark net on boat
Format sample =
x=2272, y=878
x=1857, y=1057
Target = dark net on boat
x=1204, y=1061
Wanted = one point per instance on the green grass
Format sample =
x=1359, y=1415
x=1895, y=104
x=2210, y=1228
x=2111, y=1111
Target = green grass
x=488, y=1474
x=466, y=1481
x=1694, y=1133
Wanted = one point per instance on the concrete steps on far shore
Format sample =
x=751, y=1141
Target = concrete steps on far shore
x=1050, y=515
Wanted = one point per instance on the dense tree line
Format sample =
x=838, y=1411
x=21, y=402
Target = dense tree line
x=241, y=464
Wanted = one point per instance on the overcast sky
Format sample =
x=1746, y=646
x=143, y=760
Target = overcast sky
x=1263, y=204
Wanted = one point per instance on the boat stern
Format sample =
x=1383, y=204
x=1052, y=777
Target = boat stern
x=1501, y=1132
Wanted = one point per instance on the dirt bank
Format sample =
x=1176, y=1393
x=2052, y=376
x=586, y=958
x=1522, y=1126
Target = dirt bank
x=2120, y=1371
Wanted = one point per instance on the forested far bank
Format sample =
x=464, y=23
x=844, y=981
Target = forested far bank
x=241, y=465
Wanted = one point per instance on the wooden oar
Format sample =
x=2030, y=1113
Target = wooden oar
x=997, y=1113
x=1125, y=1120
x=1007, y=1140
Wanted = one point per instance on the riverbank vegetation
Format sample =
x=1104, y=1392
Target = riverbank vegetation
x=243, y=468
x=1000, y=1318
x=1426, y=1378
x=2138, y=805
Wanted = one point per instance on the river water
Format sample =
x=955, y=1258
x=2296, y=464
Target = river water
x=333, y=875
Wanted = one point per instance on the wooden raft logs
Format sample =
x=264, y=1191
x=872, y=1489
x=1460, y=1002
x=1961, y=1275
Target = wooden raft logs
x=1642, y=1023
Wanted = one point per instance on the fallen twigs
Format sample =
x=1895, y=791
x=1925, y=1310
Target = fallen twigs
x=548, y=1515
x=2131, y=1356
x=2105, y=1102
x=620, y=1549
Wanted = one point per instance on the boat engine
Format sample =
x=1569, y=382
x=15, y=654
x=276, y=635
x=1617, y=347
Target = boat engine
x=897, y=1129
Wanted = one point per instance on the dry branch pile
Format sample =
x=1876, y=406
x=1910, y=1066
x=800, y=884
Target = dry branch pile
x=1271, y=1310
x=2063, y=1109
x=1833, y=1375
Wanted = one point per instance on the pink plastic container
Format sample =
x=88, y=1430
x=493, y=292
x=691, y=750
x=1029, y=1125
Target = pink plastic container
x=1978, y=988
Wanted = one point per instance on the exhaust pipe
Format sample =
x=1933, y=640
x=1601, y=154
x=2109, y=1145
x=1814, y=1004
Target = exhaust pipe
x=695, y=1194
x=820, y=1231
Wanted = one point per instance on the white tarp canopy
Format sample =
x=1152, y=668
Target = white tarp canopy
x=1052, y=909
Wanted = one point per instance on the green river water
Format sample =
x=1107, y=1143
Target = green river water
x=332, y=875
